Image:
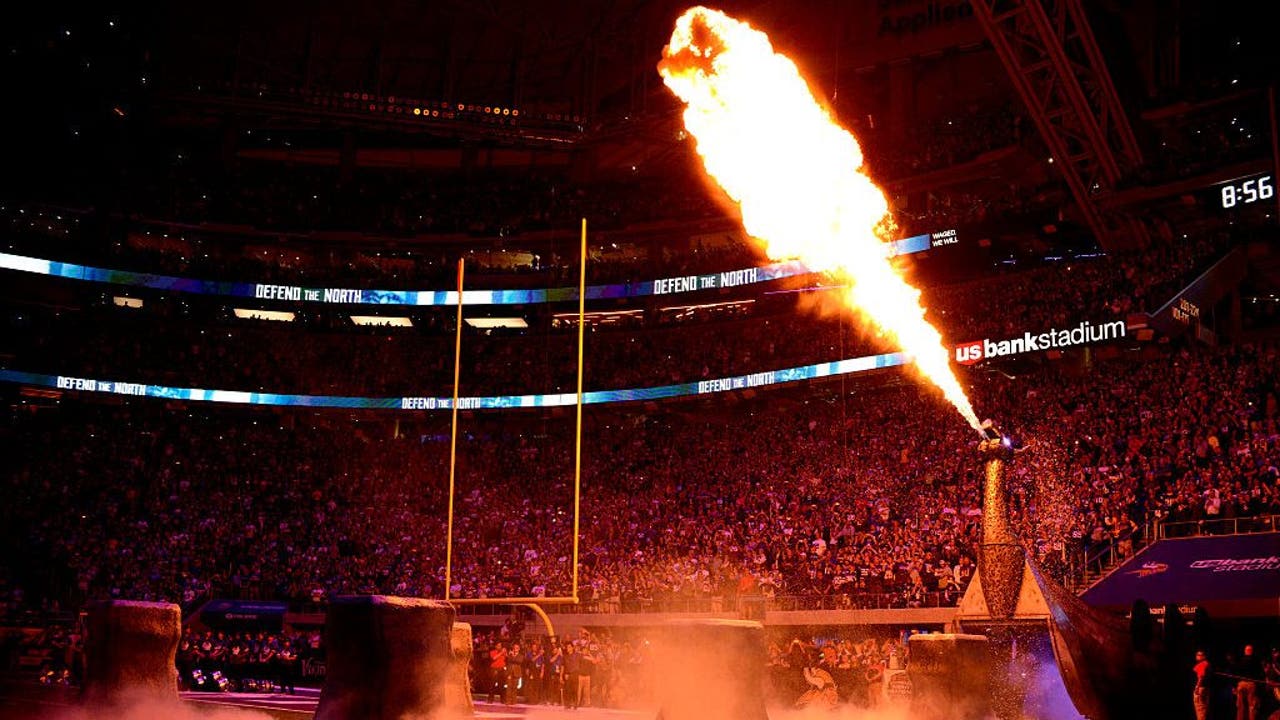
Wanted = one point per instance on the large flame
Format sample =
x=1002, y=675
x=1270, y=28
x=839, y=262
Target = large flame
x=797, y=176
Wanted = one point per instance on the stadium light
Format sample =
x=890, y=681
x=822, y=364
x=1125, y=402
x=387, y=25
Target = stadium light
x=497, y=322
x=258, y=314
x=382, y=320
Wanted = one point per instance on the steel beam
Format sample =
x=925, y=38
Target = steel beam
x=1054, y=63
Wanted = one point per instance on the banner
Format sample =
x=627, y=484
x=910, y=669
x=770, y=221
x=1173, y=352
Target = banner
x=740, y=382
x=1183, y=310
x=352, y=296
x=1243, y=570
x=244, y=614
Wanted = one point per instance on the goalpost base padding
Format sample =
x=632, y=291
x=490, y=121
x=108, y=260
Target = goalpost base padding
x=390, y=658
x=712, y=670
x=130, y=648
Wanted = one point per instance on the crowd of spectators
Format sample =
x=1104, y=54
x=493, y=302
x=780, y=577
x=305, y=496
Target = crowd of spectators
x=585, y=669
x=599, y=667
x=1066, y=292
x=201, y=344
x=1003, y=206
x=615, y=669
x=333, y=258
x=955, y=138
x=670, y=248
x=259, y=220
x=868, y=496
x=246, y=661
x=1233, y=128
x=822, y=515
x=783, y=496
x=109, y=342
x=287, y=197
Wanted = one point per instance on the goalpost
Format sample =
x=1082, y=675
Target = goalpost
x=534, y=603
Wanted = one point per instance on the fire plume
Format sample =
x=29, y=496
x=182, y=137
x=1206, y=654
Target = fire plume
x=797, y=177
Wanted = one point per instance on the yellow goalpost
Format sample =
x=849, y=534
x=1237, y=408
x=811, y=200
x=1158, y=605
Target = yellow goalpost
x=533, y=603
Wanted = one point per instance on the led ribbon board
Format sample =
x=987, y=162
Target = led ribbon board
x=704, y=387
x=349, y=296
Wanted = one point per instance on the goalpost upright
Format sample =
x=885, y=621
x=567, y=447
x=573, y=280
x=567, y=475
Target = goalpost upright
x=532, y=602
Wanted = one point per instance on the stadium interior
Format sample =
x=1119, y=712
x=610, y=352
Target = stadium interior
x=237, y=374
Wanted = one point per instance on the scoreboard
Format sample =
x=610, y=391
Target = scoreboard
x=1243, y=192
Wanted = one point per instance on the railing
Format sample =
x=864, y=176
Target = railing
x=866, y=601
x=1097, y=562
x=1219, y=526
x=31, y=617
x=746, y=605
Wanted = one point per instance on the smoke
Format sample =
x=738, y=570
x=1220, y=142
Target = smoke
x=843, y=712
x=150, y=708
x=1046, y=697
x=556, y=713
x=889, y=710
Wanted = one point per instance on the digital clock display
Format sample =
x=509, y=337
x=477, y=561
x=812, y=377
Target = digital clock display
x=1247, y=191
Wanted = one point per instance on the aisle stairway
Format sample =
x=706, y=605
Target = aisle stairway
x=1104, y=560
